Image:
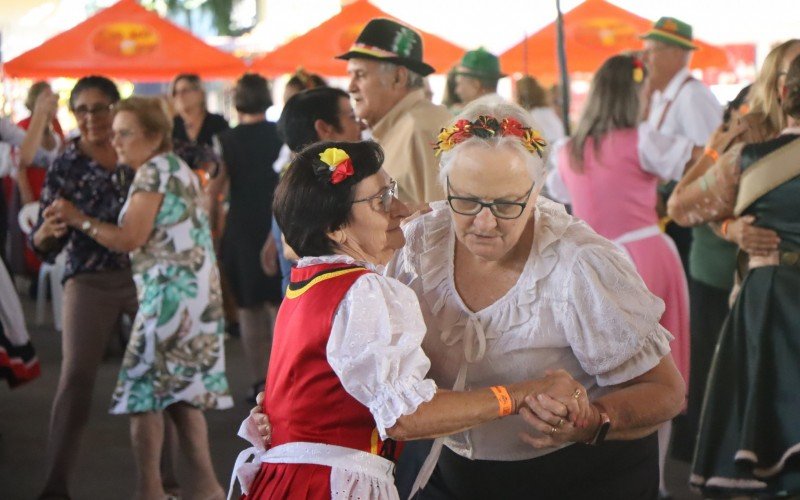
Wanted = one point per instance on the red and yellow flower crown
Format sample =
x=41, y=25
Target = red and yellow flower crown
x=486, y=127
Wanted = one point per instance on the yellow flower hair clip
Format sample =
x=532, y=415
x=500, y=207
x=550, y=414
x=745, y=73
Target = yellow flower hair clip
x=338, y=165
x=638, y=70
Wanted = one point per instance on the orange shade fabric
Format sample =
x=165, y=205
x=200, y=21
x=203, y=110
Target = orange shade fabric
x=315, y=50
x=125, y=41
x=593, y=31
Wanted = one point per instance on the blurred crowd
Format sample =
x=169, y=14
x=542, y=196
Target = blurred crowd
x=634, y=271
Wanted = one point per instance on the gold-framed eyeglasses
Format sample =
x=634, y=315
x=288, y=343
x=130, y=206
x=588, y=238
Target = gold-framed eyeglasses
x=501, y=209
x=386, y=196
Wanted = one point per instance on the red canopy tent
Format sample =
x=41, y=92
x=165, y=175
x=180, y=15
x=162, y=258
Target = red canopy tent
x=124, y=41
x=594, y=31
x=315, y=50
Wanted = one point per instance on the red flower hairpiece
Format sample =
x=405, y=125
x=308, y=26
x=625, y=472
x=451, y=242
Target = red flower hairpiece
x=339, y=165
x=486, y=127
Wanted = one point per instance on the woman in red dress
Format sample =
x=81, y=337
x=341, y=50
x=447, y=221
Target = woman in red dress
x=347, y=374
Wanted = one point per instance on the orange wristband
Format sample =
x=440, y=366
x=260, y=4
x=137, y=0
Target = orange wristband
x=505, y=407
x=711, y=153
x=724, y=228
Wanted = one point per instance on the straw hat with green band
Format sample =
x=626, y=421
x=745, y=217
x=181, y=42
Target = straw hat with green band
x=672, y=32
x=480, y=63
x=389, y=41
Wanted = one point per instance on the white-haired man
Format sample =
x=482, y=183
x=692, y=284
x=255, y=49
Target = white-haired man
x=387, y=88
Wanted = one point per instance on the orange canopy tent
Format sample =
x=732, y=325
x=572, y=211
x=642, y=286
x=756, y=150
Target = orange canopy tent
x=124, y=41
x=315, y=51
x=593, y=31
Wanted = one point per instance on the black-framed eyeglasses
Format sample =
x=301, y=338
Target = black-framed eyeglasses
x=386, y=196
x=99, y=111
x=500, y=209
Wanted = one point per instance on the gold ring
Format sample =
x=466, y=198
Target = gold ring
x=552, y=430
x=560, y=423
x=576, y=394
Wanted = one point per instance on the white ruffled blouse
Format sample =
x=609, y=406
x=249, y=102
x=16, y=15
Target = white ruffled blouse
x=578, y=305
x=374, y=346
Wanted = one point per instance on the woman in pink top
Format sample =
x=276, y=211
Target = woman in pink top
x=609, y=172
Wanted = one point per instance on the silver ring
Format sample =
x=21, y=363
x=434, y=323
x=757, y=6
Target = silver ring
x=552, y=431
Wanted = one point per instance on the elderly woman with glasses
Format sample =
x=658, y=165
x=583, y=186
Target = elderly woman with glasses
x=174, y=365
x=347, y=375
x=98, y=284
x=511, y=287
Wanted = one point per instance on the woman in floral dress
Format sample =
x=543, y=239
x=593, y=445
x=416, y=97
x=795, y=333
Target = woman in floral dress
x=175, y=358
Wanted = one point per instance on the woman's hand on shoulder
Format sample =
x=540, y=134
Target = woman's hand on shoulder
x=752, y=239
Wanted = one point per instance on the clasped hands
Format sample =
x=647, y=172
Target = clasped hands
x=58, y=216
x=559, y=411
x=556, y=406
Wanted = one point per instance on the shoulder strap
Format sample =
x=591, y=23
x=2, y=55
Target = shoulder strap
x=766, y=174
x=669, y=103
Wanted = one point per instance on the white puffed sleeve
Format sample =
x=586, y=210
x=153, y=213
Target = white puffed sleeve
x=613, y=322
x=663, y=155
x=375, y=349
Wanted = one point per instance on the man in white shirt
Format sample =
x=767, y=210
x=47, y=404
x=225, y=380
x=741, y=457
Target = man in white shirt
x=679, y=103
x=387, y=88
x=682, y=105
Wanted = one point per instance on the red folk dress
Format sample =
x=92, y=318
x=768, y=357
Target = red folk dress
x=346, y=363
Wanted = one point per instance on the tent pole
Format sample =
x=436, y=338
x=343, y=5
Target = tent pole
x=562, y=68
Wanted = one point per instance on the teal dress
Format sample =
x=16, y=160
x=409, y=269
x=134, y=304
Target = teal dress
x=176, y=351
x=749, y=438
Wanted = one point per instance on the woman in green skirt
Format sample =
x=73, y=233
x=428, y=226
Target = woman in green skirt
x=749, y=437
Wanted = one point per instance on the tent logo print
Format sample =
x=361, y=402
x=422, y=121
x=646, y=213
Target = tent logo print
x=125, y=40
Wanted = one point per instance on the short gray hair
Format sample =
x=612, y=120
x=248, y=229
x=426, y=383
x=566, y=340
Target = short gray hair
x=499, y=108
x=415, y=80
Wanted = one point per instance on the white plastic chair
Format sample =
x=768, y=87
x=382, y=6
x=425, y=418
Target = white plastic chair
x=55, y=271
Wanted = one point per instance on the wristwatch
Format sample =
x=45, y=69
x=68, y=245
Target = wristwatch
x=88, y=228
x=605, y=425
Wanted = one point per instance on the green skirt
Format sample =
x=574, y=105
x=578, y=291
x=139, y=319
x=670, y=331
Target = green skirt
x=749, y=437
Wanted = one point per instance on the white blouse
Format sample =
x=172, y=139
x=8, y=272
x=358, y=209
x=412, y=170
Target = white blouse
x=578, y=305
x=662, y=155
x=374, y=346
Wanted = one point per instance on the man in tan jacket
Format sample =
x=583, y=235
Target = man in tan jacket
x=387, y=88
